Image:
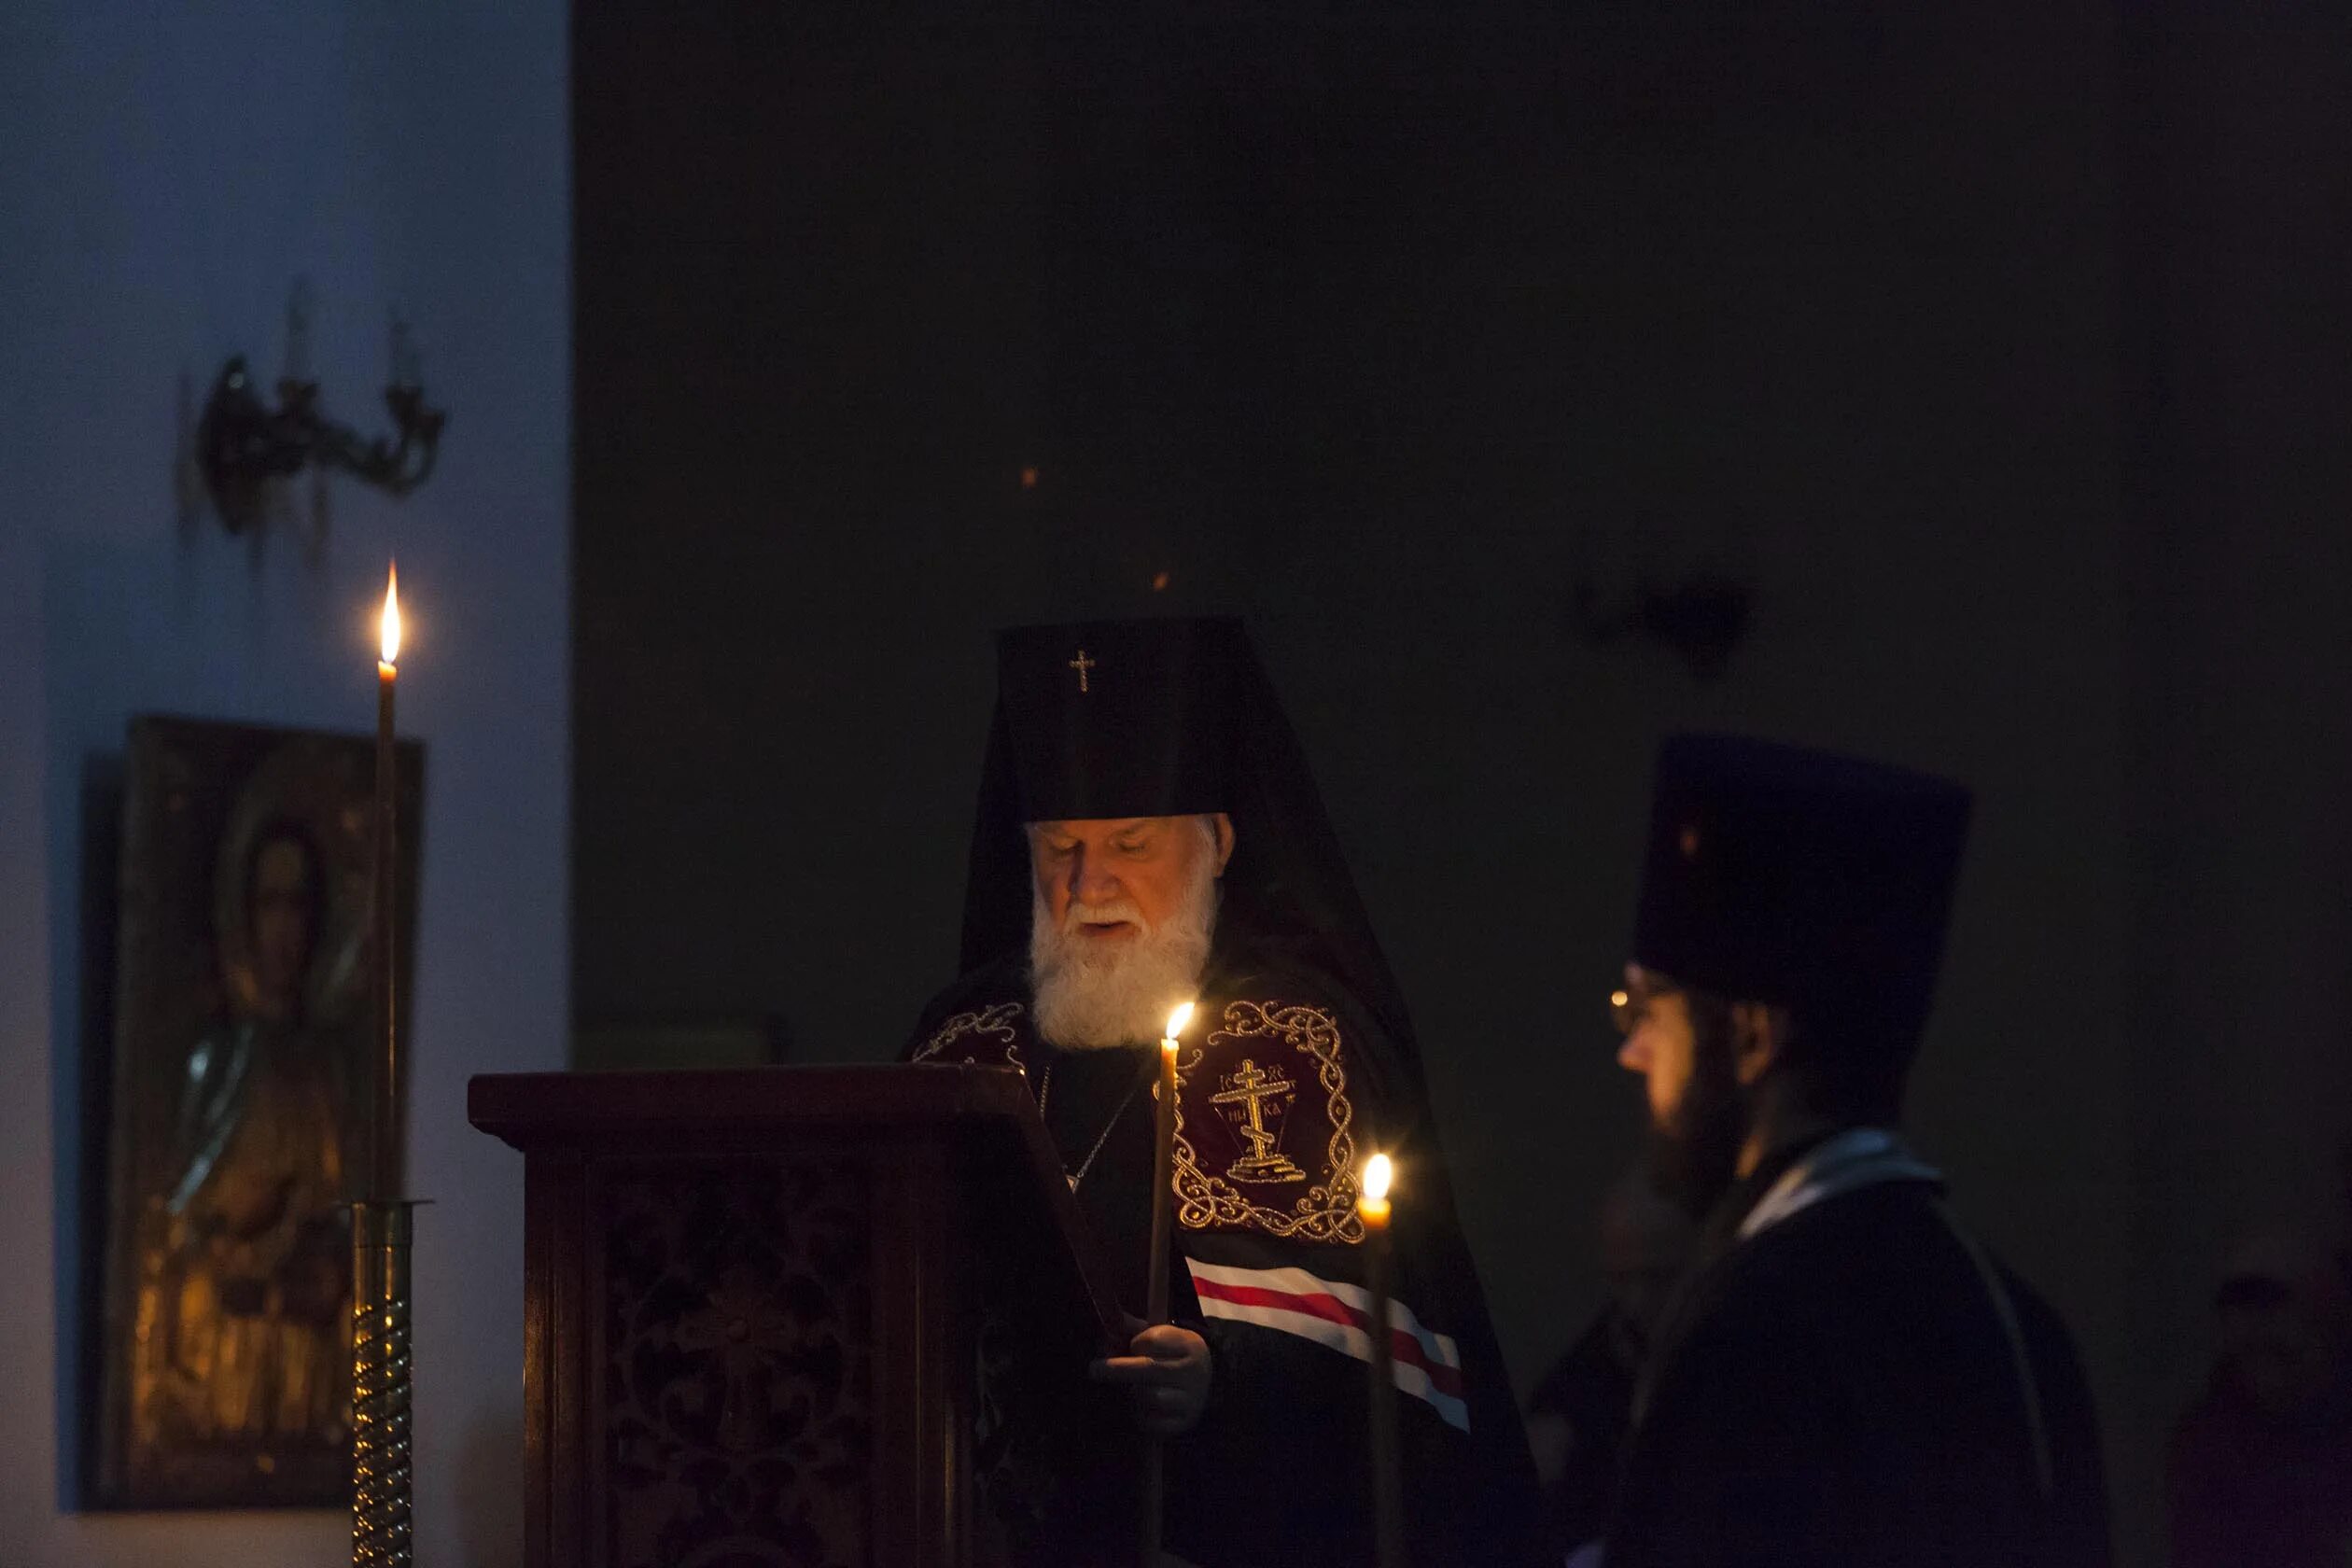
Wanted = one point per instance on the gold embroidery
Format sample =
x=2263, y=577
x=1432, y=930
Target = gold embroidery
x=1327, y=1211
x=998, y=1021
x=1263, y=1097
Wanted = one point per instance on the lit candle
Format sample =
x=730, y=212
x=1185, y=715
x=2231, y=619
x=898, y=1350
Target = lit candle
x=384, y=1136
x=1388, y=1517
x=1163, y=1164
x=1156, y=1281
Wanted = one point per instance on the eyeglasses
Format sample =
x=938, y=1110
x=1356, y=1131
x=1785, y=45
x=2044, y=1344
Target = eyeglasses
x=1629, y=1005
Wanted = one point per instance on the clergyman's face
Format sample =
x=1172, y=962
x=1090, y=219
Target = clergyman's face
x=1124, y=876
x=1698, y=1111
x=1660, y=1041
x=1120, y=923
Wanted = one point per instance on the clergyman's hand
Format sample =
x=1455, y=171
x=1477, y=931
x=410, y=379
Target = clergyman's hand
x=1167, y=1367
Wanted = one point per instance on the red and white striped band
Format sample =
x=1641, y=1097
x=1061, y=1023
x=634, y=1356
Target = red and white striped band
x=1339, y=1315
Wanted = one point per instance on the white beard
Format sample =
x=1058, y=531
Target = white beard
x=1098, y=996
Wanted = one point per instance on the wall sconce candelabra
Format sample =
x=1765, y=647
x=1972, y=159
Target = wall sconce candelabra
x=243, y=443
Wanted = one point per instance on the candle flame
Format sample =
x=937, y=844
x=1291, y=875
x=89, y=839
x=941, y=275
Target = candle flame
x=1377, y=1174
x=1178, y=1019
x=392, y=616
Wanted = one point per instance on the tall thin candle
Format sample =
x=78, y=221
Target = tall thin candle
x=1155, y=1279
x=1163, y=1164
x=383, y=1135
x=1388, y=1515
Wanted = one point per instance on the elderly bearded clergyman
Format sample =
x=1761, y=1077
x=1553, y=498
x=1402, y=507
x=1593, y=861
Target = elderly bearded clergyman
x=1148, y=835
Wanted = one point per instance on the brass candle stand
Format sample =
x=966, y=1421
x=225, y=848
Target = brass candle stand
x=384, y=1227
x=383, y=1475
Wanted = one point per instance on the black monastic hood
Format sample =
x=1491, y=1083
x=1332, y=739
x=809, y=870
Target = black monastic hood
x=1158, y=717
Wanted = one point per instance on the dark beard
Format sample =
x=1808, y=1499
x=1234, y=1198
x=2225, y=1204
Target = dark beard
x=1694, y=1154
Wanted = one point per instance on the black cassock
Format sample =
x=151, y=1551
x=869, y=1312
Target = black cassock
x=1300, y=1062
x=1841, y=1389
x=1268, y=1266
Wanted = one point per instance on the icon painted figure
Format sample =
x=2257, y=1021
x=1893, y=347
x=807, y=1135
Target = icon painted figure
x=242, y=1316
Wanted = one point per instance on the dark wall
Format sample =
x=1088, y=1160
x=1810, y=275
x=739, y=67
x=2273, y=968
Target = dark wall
x=2238, y=241
x=1407, y=338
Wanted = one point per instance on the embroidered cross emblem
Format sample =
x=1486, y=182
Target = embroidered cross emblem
x=1081, y=664
x=1248, y=1090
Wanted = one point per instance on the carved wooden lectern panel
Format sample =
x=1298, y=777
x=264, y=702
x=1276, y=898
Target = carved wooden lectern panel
x=750, y=1306
x=737, y=1343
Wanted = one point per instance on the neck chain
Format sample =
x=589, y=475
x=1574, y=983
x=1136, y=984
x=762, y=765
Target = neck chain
x=1045, y=1093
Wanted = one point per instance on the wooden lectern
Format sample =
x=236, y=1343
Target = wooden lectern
x=752, y=1299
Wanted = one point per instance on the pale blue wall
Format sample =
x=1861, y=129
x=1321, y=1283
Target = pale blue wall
x=164, y=172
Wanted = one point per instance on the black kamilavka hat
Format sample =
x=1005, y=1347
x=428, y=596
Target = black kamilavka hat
x=1815, y=881
x=1122, y=718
